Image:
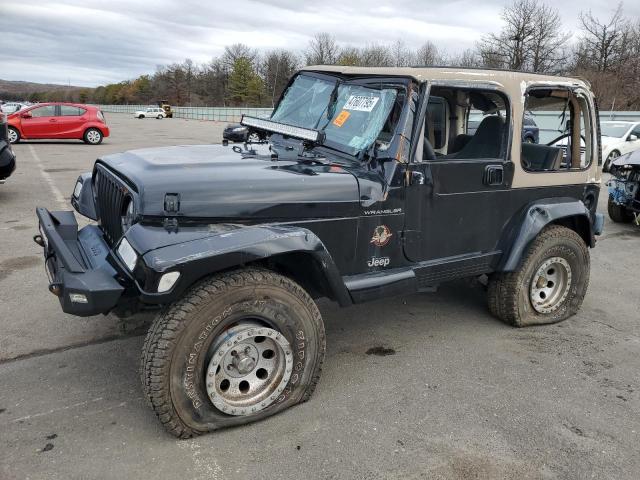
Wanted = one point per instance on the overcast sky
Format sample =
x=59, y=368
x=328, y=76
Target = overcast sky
x=93, y=42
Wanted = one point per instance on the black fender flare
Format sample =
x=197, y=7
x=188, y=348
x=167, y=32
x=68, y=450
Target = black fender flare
x=200, y=257
x=525, y=227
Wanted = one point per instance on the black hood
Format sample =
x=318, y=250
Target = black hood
x=213, y=181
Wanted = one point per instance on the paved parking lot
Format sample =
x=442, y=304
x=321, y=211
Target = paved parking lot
x=462, y=396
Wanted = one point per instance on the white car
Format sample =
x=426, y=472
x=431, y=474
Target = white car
x=618, y=138
x=151, y=112
x=12, y=107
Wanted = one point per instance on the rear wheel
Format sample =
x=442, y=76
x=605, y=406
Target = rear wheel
x=618, y=213
x=93, y=136
x=238, y=347
x=549, y=286
x=14, y=135
x=159, y=117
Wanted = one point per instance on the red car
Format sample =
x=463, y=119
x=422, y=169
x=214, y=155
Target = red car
x=58, y=120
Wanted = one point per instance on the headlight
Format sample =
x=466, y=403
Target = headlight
x=127, y=254
x=77, y=189
x=128, y=216
x=240, y=129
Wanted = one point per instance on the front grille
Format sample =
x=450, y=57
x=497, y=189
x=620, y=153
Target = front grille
x=110, y=202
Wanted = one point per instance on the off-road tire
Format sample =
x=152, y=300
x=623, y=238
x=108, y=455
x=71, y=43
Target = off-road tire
x=16, y=135
x=174, y=356
x=508, y=292
x=618, y=213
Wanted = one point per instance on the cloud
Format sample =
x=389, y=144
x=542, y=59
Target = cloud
x=93, y=42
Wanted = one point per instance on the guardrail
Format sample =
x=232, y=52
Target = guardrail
x=222, y=114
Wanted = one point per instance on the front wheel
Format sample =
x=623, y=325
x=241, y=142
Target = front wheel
x=14, y=135
x=612, y=156
x=550, y=284
x=93, y=136
x=238, y=347
x=618, y=213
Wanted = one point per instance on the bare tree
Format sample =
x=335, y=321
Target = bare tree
x=428, y=54
x=601, y=44
x=401, y=55
x=349, y=56
x=548, y=52
x=466, y=59
x=236, y=51
x=376, y=56
x=323, y=50
x=531, y=38
x=276, y=68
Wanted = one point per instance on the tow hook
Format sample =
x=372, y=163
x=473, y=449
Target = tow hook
x=56, y=289
x=38, y=239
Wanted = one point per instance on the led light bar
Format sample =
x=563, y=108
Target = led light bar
x=282, y=128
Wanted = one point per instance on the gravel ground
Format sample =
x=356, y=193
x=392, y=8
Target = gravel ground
x=451, y=392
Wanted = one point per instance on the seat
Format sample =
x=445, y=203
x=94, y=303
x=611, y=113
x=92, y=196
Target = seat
x=459, y=142
x=539, y=158
x=487, y=141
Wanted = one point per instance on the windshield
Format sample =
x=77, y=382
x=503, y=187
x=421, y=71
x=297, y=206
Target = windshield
x=353, y=116
x=611, y=129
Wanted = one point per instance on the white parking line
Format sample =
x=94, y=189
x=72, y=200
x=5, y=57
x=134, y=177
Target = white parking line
x=57, y=194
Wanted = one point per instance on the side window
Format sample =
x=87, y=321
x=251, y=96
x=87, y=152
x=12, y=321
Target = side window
x=46, y=111
x=69, y=111
x=466, y=124
x=565, y=132
x=636, y=131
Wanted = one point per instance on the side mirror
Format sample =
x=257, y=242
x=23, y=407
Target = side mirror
x=26, y=115
x=632, y=138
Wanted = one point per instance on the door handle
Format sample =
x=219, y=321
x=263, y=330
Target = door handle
x=493, y=175
x=53, y=120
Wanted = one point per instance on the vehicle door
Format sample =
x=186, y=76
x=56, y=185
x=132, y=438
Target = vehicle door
x=39, y=122
x=454, y=201
x=71, y=121
x=632, y=140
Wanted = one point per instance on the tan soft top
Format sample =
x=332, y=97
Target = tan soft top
x=504, y=77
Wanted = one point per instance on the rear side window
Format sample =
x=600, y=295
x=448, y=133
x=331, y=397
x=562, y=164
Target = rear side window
x=565, y=132
x=46, y=111
x=69, y=111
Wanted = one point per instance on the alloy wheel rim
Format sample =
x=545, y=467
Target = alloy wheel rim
x=250, y=366
x=93, y=136
x=13, y=136
x=550, y=285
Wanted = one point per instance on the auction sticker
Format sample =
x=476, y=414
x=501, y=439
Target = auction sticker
x=341, y=118
x=361, y=103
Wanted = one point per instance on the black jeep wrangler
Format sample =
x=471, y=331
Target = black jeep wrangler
x=369, y=184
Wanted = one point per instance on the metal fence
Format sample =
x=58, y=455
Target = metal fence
x=222, y=114
x=546, y=120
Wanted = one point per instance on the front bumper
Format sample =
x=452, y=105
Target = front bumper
x=77, y=265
